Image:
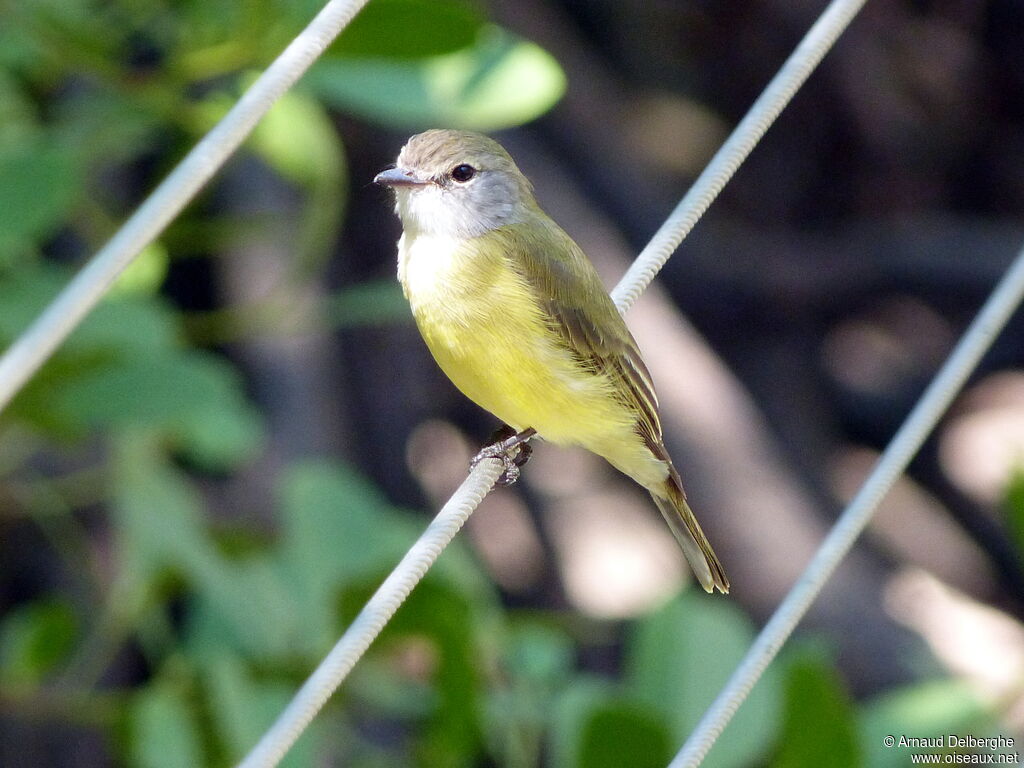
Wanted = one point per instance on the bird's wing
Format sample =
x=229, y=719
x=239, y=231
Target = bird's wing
x=584, y=317
x=582, y=313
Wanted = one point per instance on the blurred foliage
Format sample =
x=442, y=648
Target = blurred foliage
x=819, y=726
x=498, y=81
x=1014, y=510
x=110, y=450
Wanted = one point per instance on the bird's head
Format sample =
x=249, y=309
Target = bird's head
x=457, y=184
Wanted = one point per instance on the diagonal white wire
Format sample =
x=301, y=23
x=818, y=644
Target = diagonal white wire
x=358, y=637
x=371, y=620
x=808, y=54
x=947, y=383
x=24, y=357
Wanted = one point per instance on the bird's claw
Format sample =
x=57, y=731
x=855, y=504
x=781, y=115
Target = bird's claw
x=511, y=449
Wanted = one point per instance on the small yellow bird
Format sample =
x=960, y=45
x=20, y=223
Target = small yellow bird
x=516, y=316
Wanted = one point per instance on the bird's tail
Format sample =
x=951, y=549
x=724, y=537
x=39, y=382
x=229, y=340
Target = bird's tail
x=686, y=529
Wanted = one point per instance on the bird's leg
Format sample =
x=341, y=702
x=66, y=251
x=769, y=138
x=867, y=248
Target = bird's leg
x=511, y=448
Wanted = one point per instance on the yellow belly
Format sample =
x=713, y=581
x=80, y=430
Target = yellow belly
x=484, y=328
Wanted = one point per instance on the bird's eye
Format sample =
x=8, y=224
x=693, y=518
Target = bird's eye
x=463, y=173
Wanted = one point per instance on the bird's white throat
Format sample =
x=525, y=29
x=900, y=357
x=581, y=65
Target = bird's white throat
x=459, y=212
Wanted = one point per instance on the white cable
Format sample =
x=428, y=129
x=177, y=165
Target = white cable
x=922, y=420
x=371, y=620
x=24, y=357
x=815, y=44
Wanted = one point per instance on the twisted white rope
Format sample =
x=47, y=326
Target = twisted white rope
x=24, y=357
x=372, y=619
x=807, y=55
x=922, y=420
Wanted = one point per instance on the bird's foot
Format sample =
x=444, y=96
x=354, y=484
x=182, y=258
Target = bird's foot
x=511, y=448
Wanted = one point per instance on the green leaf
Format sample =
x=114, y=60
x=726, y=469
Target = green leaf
x=157, y=392
x=923, y=710
x=243, y=708
x=572, y=711
x=1014, y=510
x=536, y=666
x=439, y=624
x=74, y=29
x=253, y=609
x=210, y=22
x=19, y=51
x=39, y=181
x=337, y=531
x=145, y=274
x=678, y=660
x=24, y=293
x=238, y=713
x=819, y=724
x=106, y=126
x=158, y=514
x=34, y=639
x=244, y=604
x=195, y=397
x=126, y=325
x=163, y=728
x=539, y=654
x=623, y=734
x=18, y=121
x=338, y=528
x=298, y=140
x=340, y=531
x=406, y=29
x=436, y=611
x=125, y=366
x=500, y=82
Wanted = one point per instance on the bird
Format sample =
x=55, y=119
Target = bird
x=517, y=317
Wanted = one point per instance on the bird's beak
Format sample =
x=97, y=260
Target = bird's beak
x=398, y=177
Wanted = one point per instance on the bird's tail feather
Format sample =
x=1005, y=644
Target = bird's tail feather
x=691, y=538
